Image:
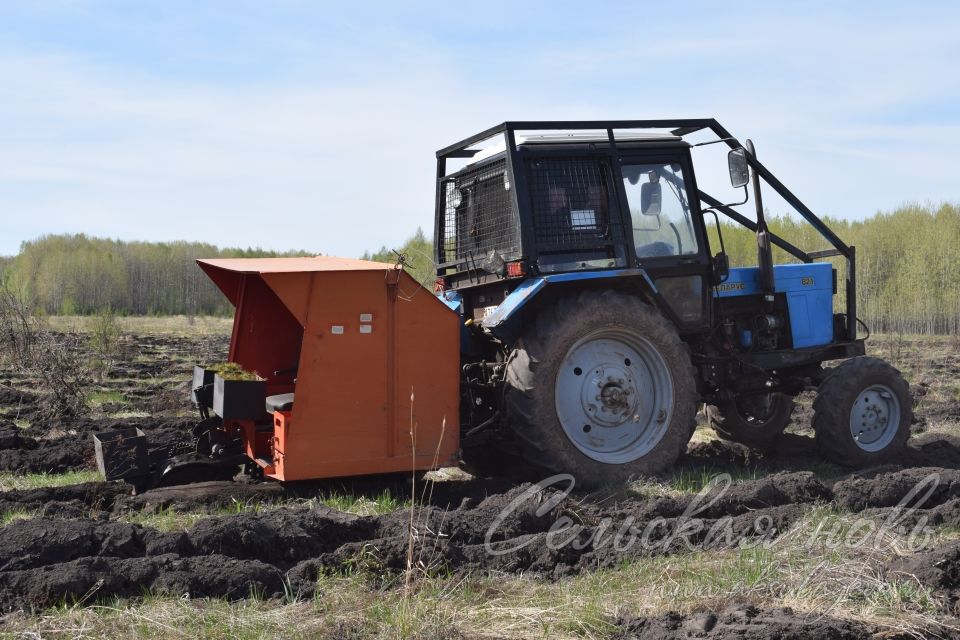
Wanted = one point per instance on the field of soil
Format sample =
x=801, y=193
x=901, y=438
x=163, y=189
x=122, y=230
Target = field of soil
x=773, y=554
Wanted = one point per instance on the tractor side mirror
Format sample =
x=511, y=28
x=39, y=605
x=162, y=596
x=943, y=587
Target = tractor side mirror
x=650, y=195
x=739, y=169
x=649, y=220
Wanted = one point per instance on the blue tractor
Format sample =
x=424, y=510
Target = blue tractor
x=597, y=318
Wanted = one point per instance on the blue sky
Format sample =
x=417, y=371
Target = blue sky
x=314, y=125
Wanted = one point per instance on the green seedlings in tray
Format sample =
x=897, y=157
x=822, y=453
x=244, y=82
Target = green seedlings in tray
x=232, y=371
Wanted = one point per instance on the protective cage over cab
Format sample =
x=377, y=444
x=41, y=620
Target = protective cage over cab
x=524, y=205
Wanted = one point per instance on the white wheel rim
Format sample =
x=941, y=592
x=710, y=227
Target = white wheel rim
x=614, y=396
x=875, y=418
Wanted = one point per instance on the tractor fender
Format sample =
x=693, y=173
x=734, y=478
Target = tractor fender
x=497, y=321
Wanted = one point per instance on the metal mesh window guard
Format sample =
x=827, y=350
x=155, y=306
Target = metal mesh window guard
x=479, y=219
x=571, y=203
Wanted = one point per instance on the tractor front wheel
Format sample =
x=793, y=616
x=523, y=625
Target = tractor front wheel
x=601, y=386
x=754, y=420
x=862, y=413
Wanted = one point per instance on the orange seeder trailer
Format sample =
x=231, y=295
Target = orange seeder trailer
x=367, y=354
x=358, y=373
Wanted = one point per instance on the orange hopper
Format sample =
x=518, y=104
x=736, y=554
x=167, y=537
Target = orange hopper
x=367, y=353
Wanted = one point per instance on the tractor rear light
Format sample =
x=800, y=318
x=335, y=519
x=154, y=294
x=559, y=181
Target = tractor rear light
x=515, y=269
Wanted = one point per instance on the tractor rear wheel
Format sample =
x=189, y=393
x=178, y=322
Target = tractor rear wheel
x=601, y=386
x=754, y=421
x=862, y=413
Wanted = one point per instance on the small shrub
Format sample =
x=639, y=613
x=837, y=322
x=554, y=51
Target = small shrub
x=105, y=334
x=28, y=345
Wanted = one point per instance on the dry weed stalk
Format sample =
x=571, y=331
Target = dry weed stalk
x=419, y=518
x=30, y=347
x=408, y=574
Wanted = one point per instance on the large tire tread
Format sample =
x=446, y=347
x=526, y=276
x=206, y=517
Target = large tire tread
x=529, y=395
x=831, y=411
x=728, y=422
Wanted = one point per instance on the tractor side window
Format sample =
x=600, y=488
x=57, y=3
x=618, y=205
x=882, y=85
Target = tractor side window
x=570, y=206
x=573, y=226
x=479, y=221
x=659, y=211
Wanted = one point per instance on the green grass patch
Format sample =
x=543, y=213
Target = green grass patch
x=167, y=519
x=164, y=519
x=232, y=371
x=17, y=513
x=106, y=396
x=826, y=470
x=384, y=502
x=694, y=480
x=15, y=481
x=690, y=481
x=947, y=533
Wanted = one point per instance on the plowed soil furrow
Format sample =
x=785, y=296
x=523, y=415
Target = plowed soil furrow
x=70, y=448
x=77, y=543
x=524, y=530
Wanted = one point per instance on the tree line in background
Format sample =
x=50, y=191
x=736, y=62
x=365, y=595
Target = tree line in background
x=78, y=274
x=908, y=269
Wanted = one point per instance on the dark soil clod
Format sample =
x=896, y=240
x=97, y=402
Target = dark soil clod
x=747, y=622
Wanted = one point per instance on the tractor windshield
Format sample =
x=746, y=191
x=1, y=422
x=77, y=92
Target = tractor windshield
x=659, y=210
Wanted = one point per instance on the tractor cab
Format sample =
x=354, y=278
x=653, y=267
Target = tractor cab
x=601, y=200
x=601, y=204
x=577, y=205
